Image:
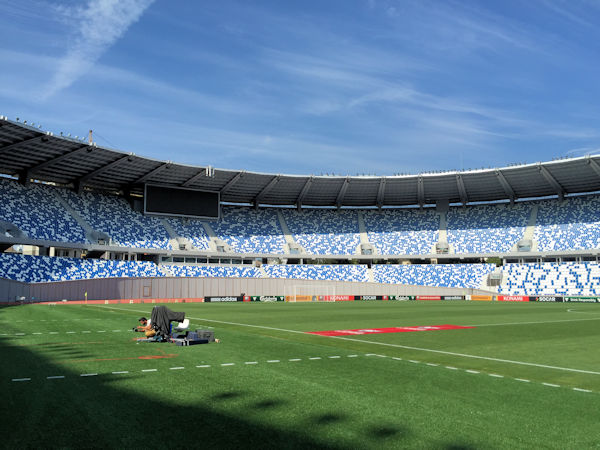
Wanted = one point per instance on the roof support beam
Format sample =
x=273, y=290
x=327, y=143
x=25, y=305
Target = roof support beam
x=462, y=191
x=552, y=181
x=9, y=147
x=593, y=164
x=266, y=190
x=231, y=182
x=80, y=182
x=381, y=192
x=510, y=193
x=200, y=174
x=303, y=192
x=342, y=193
x=82, y=149
x=420, y=191
x=153, y=172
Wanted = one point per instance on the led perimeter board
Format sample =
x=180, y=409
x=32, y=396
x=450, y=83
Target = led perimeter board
x=184, y=202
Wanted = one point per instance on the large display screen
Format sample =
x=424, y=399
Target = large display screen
x=172, y=201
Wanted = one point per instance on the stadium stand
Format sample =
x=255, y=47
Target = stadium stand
x=213, y=271
x=341, y=272
x=37, y=212
x=114, y=216
x=36, y=269
x=486, y=228
x=323, y=231
x=402, y=231
x=570, y=225
x=192, y=230
x=551, y=279
x=448, y=275
x=249, y=230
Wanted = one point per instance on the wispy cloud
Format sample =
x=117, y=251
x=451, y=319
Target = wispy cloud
x=99, y=24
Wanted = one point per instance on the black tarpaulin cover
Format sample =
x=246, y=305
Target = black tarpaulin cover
x=162, y=318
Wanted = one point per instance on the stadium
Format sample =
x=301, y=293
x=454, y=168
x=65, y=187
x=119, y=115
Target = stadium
x=438, y=310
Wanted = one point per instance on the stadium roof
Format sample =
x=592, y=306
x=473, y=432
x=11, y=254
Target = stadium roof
x=31, y=153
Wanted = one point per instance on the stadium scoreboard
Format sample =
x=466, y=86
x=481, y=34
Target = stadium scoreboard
x=183, y=202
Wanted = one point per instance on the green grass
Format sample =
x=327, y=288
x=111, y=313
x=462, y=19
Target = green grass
x=397, y=391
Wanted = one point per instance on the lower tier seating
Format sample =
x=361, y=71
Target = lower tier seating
x=551, y=279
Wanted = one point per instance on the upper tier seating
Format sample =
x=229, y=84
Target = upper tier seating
x=551, y=279
x=570, y=225
x=36, y=269
x=113, y=215
x=214, y=271
x=319, y=272
x=37, y=212
x=487, y=229
x=402, y=231
x=323, y=231
x=192, y=230
x=446, y=275
x=248, y=230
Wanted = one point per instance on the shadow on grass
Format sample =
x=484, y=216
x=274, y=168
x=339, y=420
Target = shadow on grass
x=326, y=419
x=93, y=412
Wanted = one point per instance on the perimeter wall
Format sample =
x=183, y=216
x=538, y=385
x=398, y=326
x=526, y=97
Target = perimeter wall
x=194, y=288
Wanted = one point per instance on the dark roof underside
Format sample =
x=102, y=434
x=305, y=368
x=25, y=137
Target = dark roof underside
x=31, y=153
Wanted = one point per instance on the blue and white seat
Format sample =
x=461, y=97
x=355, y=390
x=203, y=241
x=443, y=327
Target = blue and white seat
x=114, y=216
x=338, y=272
x=570, y=225
x=37, y=212
x=402, y=231
x=488, y=228
x=249, y=230
x=324, y=232
x=445, y=275
x=567, y=278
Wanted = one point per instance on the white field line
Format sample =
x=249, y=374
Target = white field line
x=407, y=347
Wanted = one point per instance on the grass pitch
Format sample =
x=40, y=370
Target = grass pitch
x=527, y=376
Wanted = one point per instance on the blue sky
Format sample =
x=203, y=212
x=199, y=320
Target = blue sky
x=310, y=87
